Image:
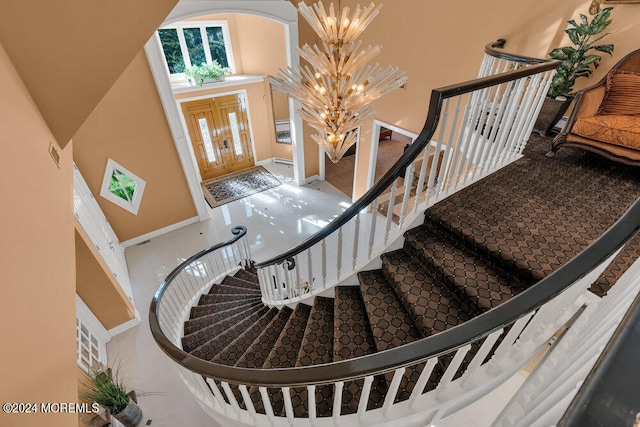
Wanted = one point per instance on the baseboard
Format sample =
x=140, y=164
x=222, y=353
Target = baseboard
x=311, y=179
x=274, y=160
x=159, y=232
x=126, y=325
x=283, y=161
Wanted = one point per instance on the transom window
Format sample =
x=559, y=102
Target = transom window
x=190, y=43
x=122, y=187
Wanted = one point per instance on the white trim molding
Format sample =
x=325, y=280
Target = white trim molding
x=375, y=141
x=277, y=10
x=159, y=232
x=131, y=206
x=126, y=325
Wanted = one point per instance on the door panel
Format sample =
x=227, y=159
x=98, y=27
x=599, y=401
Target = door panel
x=219, y=131
x=235, y=130
x=205, y=138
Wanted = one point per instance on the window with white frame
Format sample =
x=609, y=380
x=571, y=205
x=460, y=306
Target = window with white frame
x=122, y=187
x=190, y=43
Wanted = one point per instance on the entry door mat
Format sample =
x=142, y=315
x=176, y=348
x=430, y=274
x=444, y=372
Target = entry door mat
x=225, y=189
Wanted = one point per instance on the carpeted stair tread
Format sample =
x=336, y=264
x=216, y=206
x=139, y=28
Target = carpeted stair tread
x=424, y=294
x=206, y=309
x=258, y=352
x=212, y=347
x=231, y=289
x=391, y=324
x=284, y=354
x=232, y=352
x=192, y=341
x=206, y=299
x=285, y=351
x=536, y=214
x=193, y=325
x=316, y=348
x=352, y=337
x=474, y=275
x=317, y=343
x=240, y=283
x=248, y=276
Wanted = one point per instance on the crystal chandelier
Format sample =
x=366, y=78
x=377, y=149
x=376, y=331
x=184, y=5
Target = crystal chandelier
x=337, y=89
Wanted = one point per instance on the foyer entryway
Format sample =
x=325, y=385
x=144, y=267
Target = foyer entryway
x=219, y=132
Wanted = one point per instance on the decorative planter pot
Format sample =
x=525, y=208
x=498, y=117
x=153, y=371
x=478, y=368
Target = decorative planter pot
x=552, y=111
x=203, y=80
x=130, y=416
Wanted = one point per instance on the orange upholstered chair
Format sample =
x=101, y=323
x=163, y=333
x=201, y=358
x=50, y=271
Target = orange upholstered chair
x=606, y=117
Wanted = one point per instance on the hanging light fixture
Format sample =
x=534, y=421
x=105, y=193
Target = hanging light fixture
x=338, y=86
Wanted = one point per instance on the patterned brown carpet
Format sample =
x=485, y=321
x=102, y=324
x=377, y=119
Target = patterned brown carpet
x=475, y=250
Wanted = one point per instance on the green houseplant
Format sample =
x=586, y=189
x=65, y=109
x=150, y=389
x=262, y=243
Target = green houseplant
x=207, y=73
x=578, y=60
x=105, y=389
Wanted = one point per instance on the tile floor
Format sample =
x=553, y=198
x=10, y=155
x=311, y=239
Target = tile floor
x=276, y=220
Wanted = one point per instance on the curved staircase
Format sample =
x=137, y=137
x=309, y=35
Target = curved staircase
x=468, y=257
x=495, y=270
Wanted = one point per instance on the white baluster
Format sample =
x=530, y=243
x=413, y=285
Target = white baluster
x=311, y=393
x=248, y=403
x=364, y=396
x=337, y=401
x=266, y=403
x=393, y=390
x=310, y=266
x=297, y=270
x=339, y=257
x=422, y=381
x=231, y=397
x=218, y=395
x=324, y=263
x=372, y=230
x=392, y=201
x=356, y=242
x=408, y=180
x=288, y=406
x=452, y=368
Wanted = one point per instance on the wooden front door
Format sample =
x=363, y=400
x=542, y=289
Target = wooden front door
x=219, y=132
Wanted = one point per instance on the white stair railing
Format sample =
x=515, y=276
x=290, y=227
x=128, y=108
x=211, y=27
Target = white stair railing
x=194, y=277
x=478, y=128
x=477, y=356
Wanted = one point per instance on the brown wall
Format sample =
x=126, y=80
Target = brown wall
x=70, y=52
x=97, y=286
x=37, y=309
x=441, y=42
x=129, y=126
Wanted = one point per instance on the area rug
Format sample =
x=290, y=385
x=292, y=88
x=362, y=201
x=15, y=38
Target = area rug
x=234, y=186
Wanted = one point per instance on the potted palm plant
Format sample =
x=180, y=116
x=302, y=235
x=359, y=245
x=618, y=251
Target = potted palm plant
x=105, y=389
x=578, y=60
x=207, y=73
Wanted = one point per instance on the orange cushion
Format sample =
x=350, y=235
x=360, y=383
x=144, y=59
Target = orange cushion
x=623, y=94
x=618, y=130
